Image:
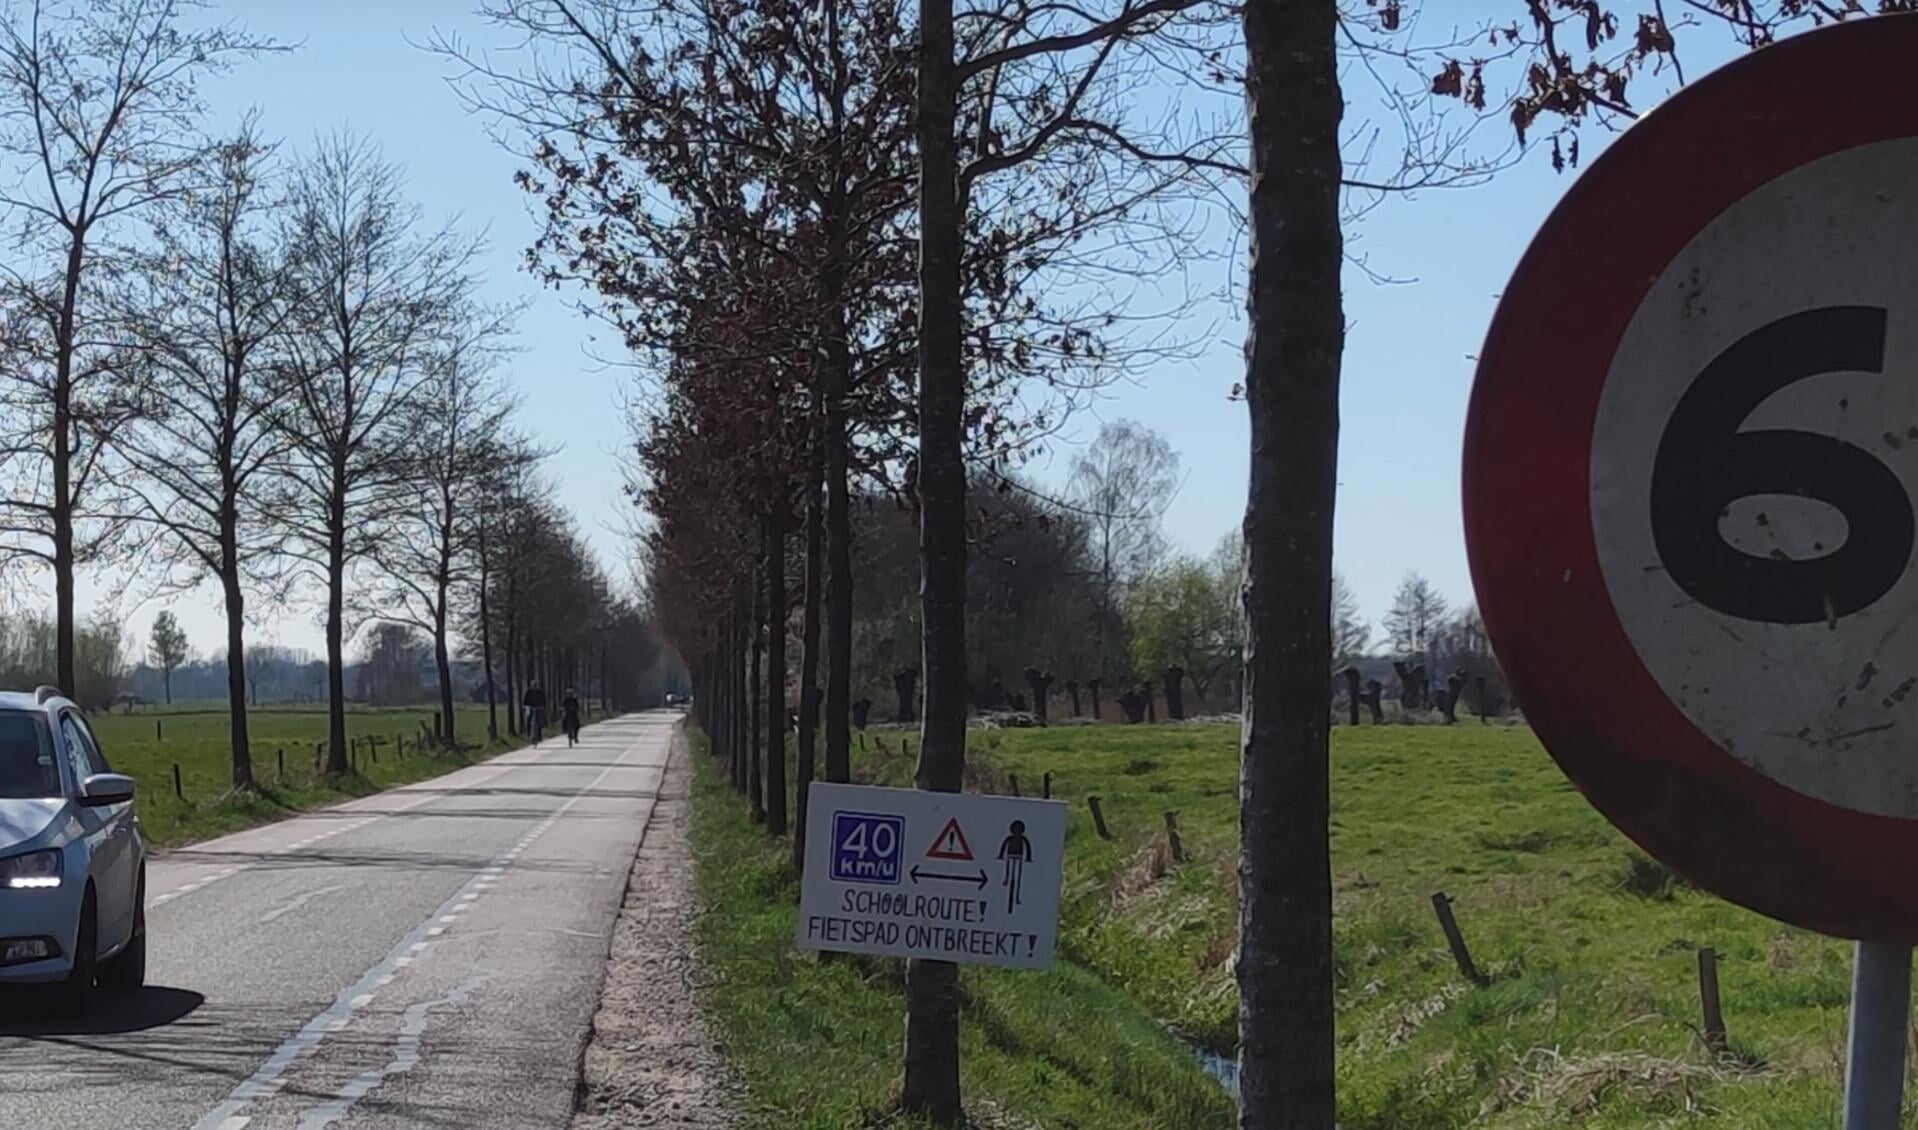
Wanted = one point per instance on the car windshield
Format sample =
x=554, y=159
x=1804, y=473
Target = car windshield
x=27, y=768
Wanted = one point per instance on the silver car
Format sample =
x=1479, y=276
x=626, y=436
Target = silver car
x=72, y=865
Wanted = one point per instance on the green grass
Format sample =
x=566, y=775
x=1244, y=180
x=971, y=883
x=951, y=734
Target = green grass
x=819, y=1043
x=1590, y=1018
x=196, y=740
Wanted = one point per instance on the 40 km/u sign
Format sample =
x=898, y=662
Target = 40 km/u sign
x=1689, y=480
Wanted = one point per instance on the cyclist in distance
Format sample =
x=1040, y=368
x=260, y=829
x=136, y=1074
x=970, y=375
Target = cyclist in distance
x=569, y=716
x=534, y=703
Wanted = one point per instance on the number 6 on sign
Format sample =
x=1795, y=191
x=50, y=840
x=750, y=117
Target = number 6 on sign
x=1705, y=463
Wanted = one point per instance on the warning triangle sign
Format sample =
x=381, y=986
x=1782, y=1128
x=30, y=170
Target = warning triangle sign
x=950, y=843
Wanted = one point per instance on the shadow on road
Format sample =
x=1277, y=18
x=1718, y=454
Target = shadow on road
x=408, y=861
x=36, y=1013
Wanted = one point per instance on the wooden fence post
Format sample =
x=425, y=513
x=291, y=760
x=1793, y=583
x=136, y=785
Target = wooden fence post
x=1172, y=837
x=1442, y=906
x=156, y=730
x=178, y=790
x=1048, y=787
x=1708, y=999
x=1014, y=778
x=1098, y=818
x=282, y=774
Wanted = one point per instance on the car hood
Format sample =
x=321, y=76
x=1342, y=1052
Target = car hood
x=22, y=820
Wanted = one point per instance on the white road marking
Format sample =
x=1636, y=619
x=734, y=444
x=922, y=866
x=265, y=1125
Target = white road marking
x=297, y=903
x=264, y=1081
x=406, y=1055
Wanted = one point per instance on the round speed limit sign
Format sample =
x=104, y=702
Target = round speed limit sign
x=1690, y=473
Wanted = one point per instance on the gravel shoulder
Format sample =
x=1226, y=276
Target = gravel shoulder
x=653, y=1060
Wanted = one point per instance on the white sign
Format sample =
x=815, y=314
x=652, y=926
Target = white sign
x=947, y=876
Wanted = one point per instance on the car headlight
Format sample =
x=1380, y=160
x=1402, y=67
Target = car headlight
x=34, y=869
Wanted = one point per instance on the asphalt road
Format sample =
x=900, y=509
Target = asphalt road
x=430, y=956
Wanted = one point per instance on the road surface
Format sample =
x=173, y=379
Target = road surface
x=429, y=956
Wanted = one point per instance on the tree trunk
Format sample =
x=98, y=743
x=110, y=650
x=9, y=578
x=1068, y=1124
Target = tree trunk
x=906, y=684
x=511, y=613
x=336, y=759
x=1294, y=338
x=486, y=649
x=809, y=654
x=236, y=674
x=776, y=669
x=756, y=722
x=723, y=697
x=1175, y=693
x=931, y=1087
x=742, y=640
x=62, y=501
x=442, y=664
x=1040, y=683
x=838, y=581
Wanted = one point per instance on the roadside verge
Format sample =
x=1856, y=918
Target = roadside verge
x=652, y=1060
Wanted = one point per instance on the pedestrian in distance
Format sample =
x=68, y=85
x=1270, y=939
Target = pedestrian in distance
x=569, y=717
x=534, y=703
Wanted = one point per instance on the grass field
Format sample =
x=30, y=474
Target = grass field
x=819, y=1043
x=195, y=739
x=1591, y=1017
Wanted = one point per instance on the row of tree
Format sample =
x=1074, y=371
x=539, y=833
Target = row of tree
x=263, y=370
x=867, y=256
x=848, y=281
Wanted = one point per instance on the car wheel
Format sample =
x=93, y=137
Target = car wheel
x=126, y=971
x=76, y=992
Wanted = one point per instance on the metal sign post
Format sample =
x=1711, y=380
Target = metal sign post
x=1875, y=1048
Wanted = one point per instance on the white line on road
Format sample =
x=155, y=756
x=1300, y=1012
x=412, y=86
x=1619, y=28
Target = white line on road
x=338, y=1015
x=298, y=902
x=406, y=1055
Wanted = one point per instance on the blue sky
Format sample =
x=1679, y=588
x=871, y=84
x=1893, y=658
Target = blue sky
x=1408, y=365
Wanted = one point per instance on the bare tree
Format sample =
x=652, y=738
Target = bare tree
x=1043, y=89
x=1123, y=482
x=1417, y=613
x=494, y=513
x=167, y=648
x=1350, y=633
x=438, y=514
x=98, y=108
x=203, y=317
x=380, y=298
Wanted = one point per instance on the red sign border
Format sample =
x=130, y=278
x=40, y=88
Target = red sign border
x=1527, y=490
